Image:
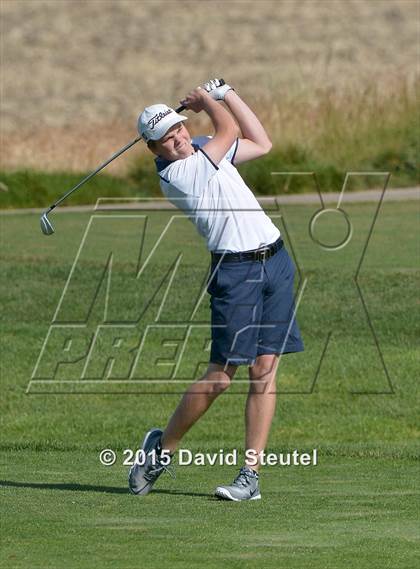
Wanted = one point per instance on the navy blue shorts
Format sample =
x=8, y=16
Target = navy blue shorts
x=253, y=309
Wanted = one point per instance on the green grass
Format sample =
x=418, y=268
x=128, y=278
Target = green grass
x=31, y=188
x=61, y=508
x=68, y=511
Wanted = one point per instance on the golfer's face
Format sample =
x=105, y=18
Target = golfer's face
x=176, y=143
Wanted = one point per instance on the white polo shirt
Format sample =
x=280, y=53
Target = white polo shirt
x=217, y=200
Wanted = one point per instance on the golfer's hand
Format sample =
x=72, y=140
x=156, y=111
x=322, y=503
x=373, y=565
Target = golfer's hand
x=217, y=89
x=195, y=100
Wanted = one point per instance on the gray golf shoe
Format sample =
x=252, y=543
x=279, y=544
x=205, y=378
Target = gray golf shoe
x=244, y=487
x=144, y=474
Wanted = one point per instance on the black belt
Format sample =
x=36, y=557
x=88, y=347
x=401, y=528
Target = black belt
x=261, y=254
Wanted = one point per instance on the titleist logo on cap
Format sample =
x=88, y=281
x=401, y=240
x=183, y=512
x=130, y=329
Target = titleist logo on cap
x=158, y=117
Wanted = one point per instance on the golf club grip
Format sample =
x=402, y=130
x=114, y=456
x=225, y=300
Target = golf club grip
x=182, y=107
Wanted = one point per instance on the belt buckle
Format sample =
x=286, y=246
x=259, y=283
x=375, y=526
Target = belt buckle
x=262, y=255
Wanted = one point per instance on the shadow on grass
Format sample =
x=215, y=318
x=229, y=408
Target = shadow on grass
x=88, y=488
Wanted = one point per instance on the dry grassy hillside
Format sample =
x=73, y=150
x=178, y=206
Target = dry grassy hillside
x=75, y=73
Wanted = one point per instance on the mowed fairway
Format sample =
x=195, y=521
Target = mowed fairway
x=63, y=510
x=352, y=395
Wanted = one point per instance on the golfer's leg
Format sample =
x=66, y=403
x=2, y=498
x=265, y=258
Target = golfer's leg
x=195, y=402
x=261, y=403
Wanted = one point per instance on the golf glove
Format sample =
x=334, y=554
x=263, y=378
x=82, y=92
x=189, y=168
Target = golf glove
x=217, y=89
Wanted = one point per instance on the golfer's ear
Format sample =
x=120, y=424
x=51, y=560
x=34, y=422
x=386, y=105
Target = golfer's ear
x=151, y=145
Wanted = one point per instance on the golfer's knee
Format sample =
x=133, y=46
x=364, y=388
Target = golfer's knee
x=262, y=375
x=261, y=371
x=216, y=383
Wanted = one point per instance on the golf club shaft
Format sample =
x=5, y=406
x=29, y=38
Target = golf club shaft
x=89, y=176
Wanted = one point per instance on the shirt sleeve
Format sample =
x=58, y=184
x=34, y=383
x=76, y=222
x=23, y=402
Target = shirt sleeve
x=191, y=175
x=231, y=153
x=201, y=141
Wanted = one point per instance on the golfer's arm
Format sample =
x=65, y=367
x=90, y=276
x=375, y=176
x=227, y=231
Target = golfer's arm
x=226, y=130
x=255, y=141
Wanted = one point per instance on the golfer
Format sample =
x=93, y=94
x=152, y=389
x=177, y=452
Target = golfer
x=251, y=281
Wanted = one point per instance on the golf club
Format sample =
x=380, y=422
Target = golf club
x=46, y=225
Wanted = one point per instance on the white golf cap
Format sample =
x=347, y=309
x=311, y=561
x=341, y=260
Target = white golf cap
x=156, y=120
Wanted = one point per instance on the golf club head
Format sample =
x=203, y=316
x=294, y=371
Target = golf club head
x=46, y=227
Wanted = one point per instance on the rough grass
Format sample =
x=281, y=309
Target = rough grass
x=364, y=132
x=76, y=74
x=33, y=188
